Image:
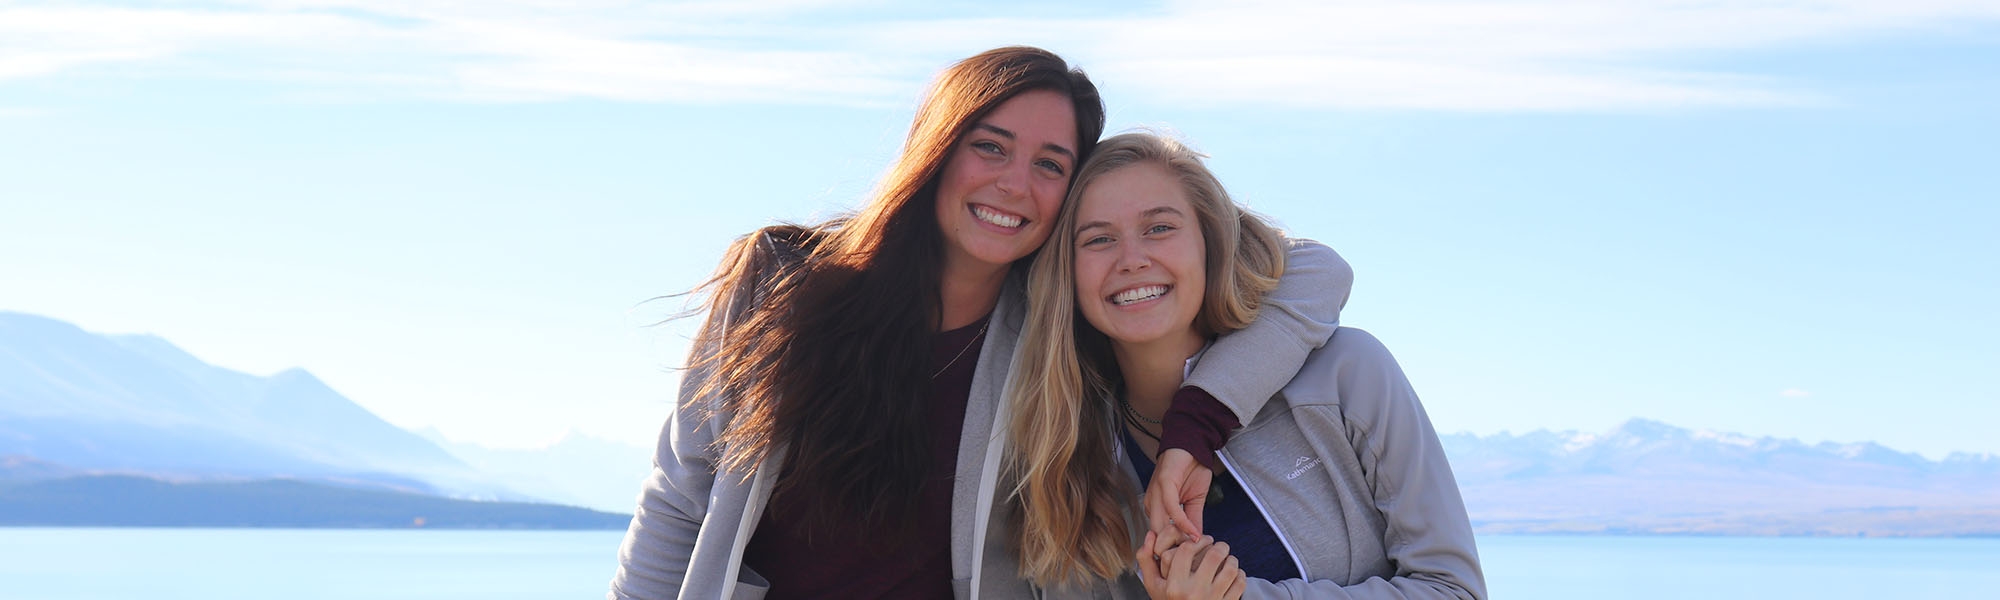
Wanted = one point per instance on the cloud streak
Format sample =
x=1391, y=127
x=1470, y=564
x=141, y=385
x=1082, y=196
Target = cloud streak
x=1534, y=55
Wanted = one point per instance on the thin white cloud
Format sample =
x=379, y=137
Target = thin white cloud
x=1557, y=55
x=22, y=112
x=1795, y=393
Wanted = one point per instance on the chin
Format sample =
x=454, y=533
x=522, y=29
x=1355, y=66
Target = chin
x=1138, y=337
x=1002, y=255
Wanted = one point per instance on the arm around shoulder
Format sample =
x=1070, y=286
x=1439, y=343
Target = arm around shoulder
x=1245, y=368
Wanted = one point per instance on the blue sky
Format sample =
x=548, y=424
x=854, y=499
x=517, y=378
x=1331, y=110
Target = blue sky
x=1773, y=218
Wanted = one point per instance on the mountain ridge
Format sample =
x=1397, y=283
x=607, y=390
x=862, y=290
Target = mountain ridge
x=139, y=404
x=1648, y=476
x=79, y=405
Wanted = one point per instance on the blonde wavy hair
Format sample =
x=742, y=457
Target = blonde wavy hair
x=1071, y=510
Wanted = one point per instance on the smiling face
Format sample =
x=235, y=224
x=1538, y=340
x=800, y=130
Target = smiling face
x=1140, y=272
x=1000, y=189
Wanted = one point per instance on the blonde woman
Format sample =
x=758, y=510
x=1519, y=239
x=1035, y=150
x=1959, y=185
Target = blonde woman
x=1336, y=488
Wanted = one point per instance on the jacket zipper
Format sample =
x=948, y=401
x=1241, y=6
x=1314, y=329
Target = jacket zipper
x=1261, y=511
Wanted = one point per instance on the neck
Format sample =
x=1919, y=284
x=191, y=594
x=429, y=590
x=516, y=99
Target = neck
x=968, y=292
x=1153, y=370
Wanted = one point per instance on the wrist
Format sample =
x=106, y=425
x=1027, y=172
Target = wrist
x=1197, y=423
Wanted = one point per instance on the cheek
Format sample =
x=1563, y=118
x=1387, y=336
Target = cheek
x=1049, y=199
x=1194, y=261
x=942, y=211
x=952, y=181
x=1087, y=282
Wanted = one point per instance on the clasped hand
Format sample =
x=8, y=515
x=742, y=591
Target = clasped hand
x=1176, y=561
x=1199, y=569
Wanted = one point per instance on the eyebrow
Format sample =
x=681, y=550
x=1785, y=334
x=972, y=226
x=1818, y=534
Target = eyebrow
x=1010, y=136
x=1157, y=210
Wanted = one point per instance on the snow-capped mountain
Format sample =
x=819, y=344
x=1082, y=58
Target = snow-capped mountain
x=1650, y=476
x=91, y=403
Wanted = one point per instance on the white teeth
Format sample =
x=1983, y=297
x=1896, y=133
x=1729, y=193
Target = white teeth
x=1139, y=294
x=996, y=217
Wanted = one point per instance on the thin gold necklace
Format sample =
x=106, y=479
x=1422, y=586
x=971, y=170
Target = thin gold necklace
x=961, y=351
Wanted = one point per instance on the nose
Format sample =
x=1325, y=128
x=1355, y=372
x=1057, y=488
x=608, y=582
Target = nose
x=1013, y=178
x=1132, y=257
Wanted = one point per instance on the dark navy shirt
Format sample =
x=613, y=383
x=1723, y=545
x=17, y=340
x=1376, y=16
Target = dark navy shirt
x=1233, y=520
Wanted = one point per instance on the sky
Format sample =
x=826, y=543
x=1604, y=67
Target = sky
x=1765, y=217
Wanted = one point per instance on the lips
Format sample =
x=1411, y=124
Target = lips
x=1138, y=294
x=997, y=218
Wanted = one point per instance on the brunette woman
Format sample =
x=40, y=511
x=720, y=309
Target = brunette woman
x=836, y=434
x=1337, y=488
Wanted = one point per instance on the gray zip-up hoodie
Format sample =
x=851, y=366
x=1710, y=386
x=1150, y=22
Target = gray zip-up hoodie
x=692, y=524
x=1345, y=467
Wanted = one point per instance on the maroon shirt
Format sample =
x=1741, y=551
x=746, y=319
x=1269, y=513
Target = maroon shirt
x=1198, y=423
x=845, y=565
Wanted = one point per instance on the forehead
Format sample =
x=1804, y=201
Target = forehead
x=1131, y=191
x=1037, y=117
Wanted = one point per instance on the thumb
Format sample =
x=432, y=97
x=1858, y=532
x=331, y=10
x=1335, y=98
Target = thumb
x=1190, y=514
x=1187, y=517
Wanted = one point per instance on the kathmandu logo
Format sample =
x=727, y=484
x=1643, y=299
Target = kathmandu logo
x=1303, y=464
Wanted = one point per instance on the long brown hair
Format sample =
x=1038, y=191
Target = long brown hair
x=831, y=360
x=1072, y=512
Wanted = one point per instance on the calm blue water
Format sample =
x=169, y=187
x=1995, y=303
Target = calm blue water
x=77, y=564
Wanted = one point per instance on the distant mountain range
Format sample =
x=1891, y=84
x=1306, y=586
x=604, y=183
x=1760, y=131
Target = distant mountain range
x=75, y=404
x=132, y=416
x=1647, y=476
x=1643, y=476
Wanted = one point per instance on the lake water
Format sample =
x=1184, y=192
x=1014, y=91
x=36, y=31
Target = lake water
x=78, y=564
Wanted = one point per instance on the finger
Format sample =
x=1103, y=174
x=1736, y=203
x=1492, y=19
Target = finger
x=1160, y=497
x=1168, y=536
x=1173, y=582
x=1149, y=563
x=1157, y=514
x=1163, y=513
x=1199, y=478
x=1211, y=562
x=1175, y=477
x=1187, y=519
x=1237, y=586
x=1190, y=519
x=1185, y=555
